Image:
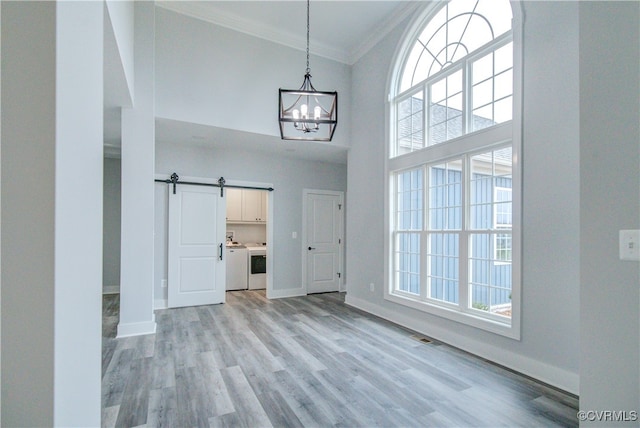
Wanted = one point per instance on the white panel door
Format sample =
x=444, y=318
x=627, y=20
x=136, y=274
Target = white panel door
x=323, y=246
x=196, y=246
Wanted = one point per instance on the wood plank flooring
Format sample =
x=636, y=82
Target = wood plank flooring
x=306, y=361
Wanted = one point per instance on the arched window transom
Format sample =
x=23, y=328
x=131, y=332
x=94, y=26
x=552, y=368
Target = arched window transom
x=457, y=77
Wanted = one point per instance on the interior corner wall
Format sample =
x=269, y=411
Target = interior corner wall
x=550, y=330
x=289, y=176
x=609, y=202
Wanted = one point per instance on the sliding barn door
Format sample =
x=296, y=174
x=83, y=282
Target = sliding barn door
x=196, y=246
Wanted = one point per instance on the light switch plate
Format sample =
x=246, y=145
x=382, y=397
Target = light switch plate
x=630, y=245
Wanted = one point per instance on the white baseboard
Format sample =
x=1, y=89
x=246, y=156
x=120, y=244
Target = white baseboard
x=110, y=289
x=554, y=376
x=136, y=329
x=281, y=294
x=160, y=304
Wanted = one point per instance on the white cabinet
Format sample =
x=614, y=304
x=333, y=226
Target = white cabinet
x=246, y=206
x=234, y=205
x=254, y=205
x=236, y=268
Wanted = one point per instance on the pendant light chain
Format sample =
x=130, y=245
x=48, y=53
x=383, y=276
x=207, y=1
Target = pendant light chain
x=308, y=69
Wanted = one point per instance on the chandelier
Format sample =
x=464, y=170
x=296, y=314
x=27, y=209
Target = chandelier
x=305, y=113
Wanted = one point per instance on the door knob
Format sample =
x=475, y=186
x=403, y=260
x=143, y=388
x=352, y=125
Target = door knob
x=311, y=248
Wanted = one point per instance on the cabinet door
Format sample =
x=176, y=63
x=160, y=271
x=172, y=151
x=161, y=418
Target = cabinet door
x=234, y=204
x=263, y=201
x=252, y=205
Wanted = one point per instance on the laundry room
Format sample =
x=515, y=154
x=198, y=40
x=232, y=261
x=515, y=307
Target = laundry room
x=246, y=239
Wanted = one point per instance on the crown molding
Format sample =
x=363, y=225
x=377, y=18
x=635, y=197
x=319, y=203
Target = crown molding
x=234, y=22
x=252, y=28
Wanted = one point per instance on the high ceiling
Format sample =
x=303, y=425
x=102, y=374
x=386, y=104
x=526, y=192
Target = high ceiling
x=339, y=30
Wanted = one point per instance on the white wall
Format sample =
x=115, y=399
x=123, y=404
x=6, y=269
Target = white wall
x=549, y=345
x=111, y=229
x=137, y=167
x=211, y=75
x=609, y=201
x=78, y=213
x=52, y=239
x=121, y=19
x=289, y=176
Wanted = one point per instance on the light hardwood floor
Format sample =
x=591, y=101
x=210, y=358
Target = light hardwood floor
x=306, y=361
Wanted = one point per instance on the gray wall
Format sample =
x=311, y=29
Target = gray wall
x=610, y=187
x=111, y=229
x=216, y=76
x=289, y=176
x=549, y=348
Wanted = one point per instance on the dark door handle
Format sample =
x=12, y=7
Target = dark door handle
x=311, y=248
x=221, y=251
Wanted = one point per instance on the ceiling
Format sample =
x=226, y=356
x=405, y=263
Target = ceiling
x=339, y=30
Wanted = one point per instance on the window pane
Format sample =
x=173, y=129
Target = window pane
x=410, y=125
x=490, y=273
x=445, y=109
x=482, y=68
x=409, y=200
x=504, y=84
x=483, y=94
x=407, y=262
x=504, y=58
x=503, y=110
x=492, y=82
x=490, y=191
x=443, y=259
x=445, y=196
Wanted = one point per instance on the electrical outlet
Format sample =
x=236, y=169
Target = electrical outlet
x=630, y=245
x=372, y=287
x=163, y=283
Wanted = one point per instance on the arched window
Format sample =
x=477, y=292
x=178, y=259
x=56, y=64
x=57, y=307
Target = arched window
x=454, y=169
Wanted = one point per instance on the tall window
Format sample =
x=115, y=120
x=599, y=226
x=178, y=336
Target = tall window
x=452, y=175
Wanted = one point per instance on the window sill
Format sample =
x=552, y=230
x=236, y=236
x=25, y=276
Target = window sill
x=501, y=328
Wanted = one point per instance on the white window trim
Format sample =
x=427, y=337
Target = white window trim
x=499, y=134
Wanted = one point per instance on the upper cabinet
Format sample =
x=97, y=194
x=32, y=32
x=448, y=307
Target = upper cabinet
x=246, y=206
x=234, y=205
